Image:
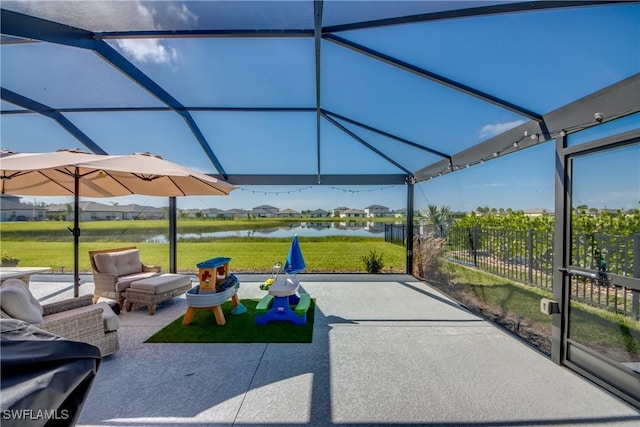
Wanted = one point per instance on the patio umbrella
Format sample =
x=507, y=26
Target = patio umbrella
x=74, y=172
x=150, y=175
x=295, y=261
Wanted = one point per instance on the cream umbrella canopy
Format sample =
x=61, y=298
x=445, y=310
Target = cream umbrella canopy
x=54, y=174
x=75, y=173
x=147, y=174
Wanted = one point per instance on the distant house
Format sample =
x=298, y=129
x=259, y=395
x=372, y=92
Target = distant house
x=234, y=213
x=318, y=213
x=134, y=211
x=337, y=211
x=288, y=213
x=94, y=211
x=352, y=213
x=211, y=213
x=264, y=211
x=261, y=213
x=189, y=213
x=378, y=211
x=400, y=213
x=11, y=209
x=537, y=212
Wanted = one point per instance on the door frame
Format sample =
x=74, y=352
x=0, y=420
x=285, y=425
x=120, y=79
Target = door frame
x=612, y=376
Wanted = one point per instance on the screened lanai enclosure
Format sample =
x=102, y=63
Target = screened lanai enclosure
x=346, y=93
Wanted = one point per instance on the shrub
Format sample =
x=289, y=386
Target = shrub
x=426, y=253
x=373, y=262
x=9, y=260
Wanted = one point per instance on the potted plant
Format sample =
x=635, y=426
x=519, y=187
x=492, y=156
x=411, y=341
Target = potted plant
x=9, y=260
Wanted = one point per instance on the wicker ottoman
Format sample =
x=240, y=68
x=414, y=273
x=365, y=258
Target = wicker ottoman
x=157, y=289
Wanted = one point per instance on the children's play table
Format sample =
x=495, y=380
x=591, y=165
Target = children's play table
x=276, y=305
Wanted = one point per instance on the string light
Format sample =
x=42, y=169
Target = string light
x=346, y=190
x=299, y=190
x=537, y=138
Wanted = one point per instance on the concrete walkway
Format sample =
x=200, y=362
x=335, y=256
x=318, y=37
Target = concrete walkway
x=387, y=350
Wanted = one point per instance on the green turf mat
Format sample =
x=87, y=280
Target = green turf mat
x=238, y=328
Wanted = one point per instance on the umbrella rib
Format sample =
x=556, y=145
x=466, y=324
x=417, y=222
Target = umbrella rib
x=20, y=173
x=106, y=172
x=147, y=177
x=176, y=185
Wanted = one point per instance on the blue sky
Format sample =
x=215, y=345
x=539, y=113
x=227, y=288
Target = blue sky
x=539, y=60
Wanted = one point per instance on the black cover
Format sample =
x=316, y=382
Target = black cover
x=45, y=379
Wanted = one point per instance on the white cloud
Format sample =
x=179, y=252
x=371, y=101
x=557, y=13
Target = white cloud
x=498, y=128
x=148, y=50
x=154, y=50
x=182, y=13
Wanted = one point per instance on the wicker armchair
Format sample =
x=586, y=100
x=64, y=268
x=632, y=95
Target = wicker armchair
x=85, y=326
x=76, y=319
x=113, y=284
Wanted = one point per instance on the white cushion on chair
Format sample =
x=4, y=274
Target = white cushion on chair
x=119, y=263
x=125, y=281
x=17, y=302
x=162, y=283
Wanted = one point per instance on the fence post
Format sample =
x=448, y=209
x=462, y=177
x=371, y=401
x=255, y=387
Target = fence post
x=473, y=241
x=530, y=249
x=635, y=294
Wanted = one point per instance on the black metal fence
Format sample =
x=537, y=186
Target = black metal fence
x=527, y=257
x=614, y=255
x=396, y=234
x=524, y=256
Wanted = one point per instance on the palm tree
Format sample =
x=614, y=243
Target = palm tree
x=440, y=217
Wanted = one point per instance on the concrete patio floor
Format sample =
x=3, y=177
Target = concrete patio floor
x=386, y=350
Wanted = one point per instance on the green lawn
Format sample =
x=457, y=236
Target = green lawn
x=50, y=244
x=611, y=333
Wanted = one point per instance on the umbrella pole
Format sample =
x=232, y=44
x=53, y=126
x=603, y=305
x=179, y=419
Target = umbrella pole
x=76, y=236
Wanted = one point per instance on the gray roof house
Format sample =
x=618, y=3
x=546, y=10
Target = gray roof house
x=337, y=211
x=288, y=213
x=400, y=213
x=211, y=213
x=12, y=209
x=378, y=211
x=259, y=212
x=94, y=211
x=235, y=213
x=318, y=213
x=352, y=213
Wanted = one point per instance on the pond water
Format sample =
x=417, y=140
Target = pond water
x=304, y=229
